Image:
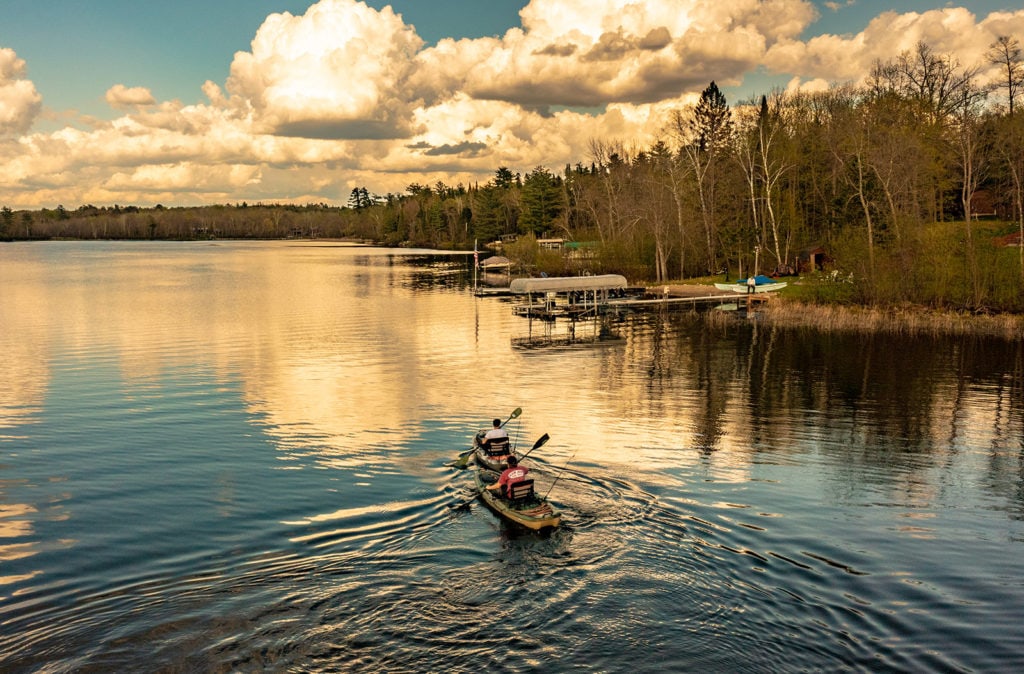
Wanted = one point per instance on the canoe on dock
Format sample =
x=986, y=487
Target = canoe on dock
x=762, y=284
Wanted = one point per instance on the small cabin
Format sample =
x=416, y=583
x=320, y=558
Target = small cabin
x=983, y=205
x=813, y=258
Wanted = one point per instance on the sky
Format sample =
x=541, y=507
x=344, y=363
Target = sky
x=292, y=101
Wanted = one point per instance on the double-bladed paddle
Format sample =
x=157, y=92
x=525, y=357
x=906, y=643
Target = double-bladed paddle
x=463, y=459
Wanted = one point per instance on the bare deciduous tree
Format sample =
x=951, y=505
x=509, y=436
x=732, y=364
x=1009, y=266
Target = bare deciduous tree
x=1005, y=53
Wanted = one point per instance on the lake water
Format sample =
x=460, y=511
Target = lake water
x=227, y=456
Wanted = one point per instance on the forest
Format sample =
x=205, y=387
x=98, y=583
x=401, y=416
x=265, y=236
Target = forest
x=907, y=189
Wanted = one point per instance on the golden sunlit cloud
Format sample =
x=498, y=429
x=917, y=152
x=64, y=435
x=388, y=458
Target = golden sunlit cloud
x=20, y=103
x=338, y=71
x=839, y=58
x=120, y=96
x=346, y=95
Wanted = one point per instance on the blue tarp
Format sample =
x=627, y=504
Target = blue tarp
x=760, y=280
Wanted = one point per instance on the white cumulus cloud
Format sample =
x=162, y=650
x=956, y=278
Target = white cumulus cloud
x=952, y=30
x=120, y=96
x=593, y=52
x=338, y=71
x=20, y=103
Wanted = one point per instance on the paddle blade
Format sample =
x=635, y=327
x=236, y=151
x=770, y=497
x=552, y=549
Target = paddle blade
x=464, y=505
x=540, y=441
x=515, y=415
x=463, y=459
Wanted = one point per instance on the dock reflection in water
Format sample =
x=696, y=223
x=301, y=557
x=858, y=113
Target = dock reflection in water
x=233, y=456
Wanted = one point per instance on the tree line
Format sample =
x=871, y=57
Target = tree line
x=909, y=184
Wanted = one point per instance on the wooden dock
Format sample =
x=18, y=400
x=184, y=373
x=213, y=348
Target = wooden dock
x=586, y=297
x=593, y=304
x=576, y=298
x=720, y=298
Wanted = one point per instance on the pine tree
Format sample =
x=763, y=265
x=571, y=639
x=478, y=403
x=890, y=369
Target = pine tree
x=542, y=201
x=712, y=120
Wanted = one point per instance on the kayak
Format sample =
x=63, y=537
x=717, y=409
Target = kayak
x=493, y=457
x=532, y=511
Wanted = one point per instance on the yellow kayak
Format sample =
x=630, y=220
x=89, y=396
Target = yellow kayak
x=528, y=510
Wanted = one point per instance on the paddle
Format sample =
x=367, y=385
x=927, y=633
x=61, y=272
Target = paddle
x=540, y=441
x=463, y=460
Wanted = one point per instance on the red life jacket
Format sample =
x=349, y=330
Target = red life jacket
x=510, y=476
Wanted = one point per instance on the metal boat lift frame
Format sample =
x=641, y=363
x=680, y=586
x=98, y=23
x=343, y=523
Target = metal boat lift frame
x=594, y=289
x=585, y=297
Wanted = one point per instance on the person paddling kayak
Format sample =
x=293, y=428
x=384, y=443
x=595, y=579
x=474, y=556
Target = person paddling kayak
x=497, y=432
x=511, y=475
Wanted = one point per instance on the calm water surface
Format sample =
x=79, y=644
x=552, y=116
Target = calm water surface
x=233, y=457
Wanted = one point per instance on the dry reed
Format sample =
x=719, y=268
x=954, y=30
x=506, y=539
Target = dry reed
x=905, y=320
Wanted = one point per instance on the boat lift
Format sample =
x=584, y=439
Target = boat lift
x=572, y=297
x=583, y=295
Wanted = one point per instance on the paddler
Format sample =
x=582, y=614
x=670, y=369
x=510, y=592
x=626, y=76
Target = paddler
x=511, y=475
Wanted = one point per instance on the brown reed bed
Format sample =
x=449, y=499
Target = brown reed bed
x=901, y=320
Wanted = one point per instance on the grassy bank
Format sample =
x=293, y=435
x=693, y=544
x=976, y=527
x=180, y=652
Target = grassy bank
x=906, y=320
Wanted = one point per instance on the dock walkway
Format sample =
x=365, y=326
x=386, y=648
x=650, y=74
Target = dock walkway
x=586, y=296
x=604, y=300
x=595, y=303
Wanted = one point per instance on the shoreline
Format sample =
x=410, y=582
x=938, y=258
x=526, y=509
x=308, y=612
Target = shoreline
x=782, y=311
x=903, y=320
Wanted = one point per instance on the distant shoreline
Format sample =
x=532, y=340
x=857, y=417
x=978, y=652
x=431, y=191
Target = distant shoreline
x=780, y=311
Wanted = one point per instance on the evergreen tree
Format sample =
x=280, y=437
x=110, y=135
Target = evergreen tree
x=542, y=201
x=487, y=213
x=710, y=130
x=355, y=199
x=503, y=178
x=712, y=120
